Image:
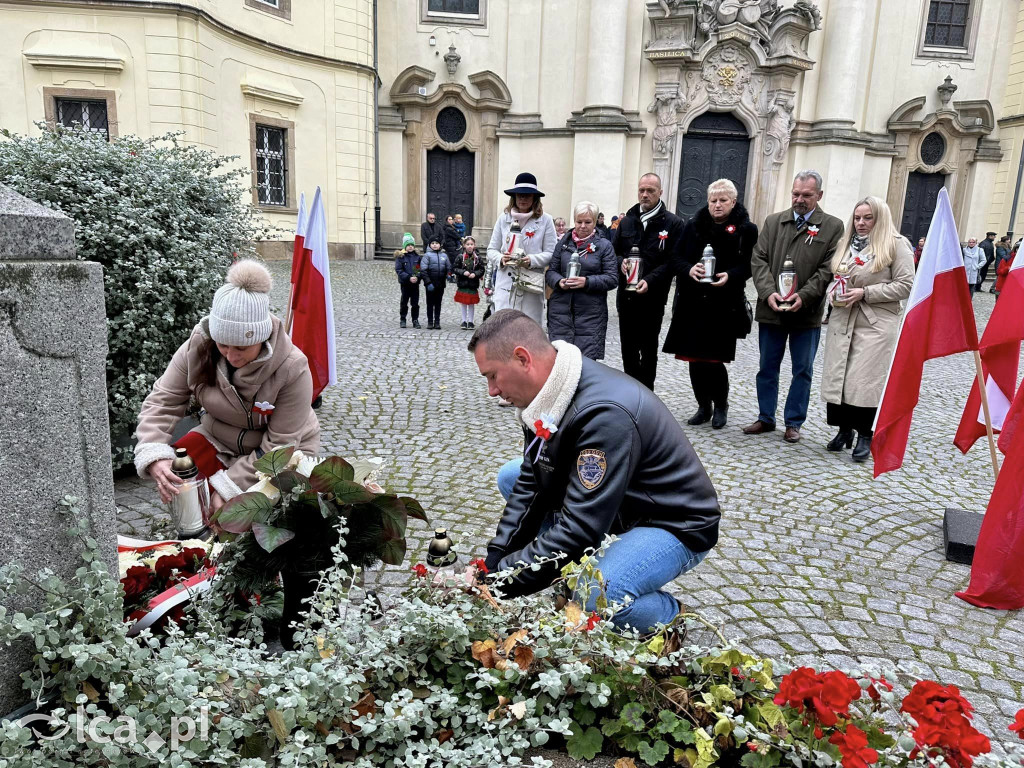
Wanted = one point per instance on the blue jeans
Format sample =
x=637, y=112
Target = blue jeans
x=507, y=476
x=803, y=346
x=636, y=566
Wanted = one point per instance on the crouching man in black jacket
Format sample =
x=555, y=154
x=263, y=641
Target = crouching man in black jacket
x=606, y=457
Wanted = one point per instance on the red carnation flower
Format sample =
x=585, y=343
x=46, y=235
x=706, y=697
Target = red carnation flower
x=480, y=564
x=853, y=746
x=135, y=582
x=420, y=570
x=195, y=558
x=1018, y=724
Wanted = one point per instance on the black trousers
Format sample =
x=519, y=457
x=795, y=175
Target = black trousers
x=710, y=382
x=851, y=417
x=639, y=329
x=410, y=295
x=434, y=304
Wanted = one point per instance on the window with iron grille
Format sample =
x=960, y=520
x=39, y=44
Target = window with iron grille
x=948, y=21
x=460, y=7
x=271, y=171
x=91, y=115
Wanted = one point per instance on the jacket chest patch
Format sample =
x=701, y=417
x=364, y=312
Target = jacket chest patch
x=591, y=467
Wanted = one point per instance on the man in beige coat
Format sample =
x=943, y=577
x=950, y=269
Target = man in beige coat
x=808, y=236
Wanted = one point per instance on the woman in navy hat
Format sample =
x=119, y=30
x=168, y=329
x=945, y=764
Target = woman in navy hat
x=521, y=285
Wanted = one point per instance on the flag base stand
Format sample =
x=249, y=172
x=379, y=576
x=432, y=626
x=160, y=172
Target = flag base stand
x=960, y=531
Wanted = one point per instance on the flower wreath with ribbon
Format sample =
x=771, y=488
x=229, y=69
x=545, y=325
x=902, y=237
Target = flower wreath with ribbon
x=812, y=232
x=544, y=428
x=662, y=237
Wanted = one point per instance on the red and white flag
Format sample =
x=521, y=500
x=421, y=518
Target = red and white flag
x=997, y=579
x=312, y=306
x=300, y=238
x=939, y=321
x=1000, y=354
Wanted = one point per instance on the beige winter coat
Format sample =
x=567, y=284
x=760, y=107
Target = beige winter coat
x=861, y=336
x=279, y=376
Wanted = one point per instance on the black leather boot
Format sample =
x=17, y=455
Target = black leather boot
x=702, y=416
x=842, y=440
x=720, y=416
x=863, y=448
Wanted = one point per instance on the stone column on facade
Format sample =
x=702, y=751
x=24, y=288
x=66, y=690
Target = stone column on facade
x=840, y=70
x=413, y=148
x=488, y=173
x=606, y=62
x=53, y=426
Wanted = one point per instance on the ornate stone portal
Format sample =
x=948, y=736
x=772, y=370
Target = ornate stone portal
x=738, y=56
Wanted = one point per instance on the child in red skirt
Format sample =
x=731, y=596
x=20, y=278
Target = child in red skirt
x=469, y=268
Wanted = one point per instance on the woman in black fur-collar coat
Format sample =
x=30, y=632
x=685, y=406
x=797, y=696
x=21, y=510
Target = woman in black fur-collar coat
x=708, y=318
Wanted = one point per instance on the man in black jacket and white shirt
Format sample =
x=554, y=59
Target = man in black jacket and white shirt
x=603, y=455
x=658, y=234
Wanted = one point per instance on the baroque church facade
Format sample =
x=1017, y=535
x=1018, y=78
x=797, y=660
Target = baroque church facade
x=895, y=98
x=417, y=105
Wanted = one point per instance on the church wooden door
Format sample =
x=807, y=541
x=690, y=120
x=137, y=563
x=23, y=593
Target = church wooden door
x=919, y=204
x=450, y=184
x=716, y=146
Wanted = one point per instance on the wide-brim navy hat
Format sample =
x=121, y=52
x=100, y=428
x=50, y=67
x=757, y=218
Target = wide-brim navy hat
x=526, y=184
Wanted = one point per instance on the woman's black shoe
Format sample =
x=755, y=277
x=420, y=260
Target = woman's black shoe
x=702, y=416
x=863, y=449
x=842, y=440
x=720, y=416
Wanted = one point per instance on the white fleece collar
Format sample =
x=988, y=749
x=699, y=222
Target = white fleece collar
x=554, y=397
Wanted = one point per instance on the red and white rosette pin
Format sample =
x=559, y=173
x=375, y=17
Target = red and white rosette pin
x=662, y=237
x=262, y=411
x=812, y=232
x=544, y=427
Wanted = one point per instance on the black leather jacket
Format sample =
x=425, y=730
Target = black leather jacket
x=657, y=254
x=618, y=459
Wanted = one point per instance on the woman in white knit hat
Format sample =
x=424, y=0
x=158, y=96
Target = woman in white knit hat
x=251, y=383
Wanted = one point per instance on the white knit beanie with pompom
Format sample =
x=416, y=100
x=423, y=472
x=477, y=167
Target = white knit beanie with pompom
x=240, y=316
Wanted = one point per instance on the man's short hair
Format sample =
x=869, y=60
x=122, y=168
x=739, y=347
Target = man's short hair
x=507, y=329
x=805, y=175
x=653, y=175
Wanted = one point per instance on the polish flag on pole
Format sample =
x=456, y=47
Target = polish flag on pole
x=312, y=308
x=997, y=579
x=939, y=321
x=1000, y=354
x=298, y=251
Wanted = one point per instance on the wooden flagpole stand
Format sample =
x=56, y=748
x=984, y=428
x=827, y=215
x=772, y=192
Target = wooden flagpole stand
x=988, y=416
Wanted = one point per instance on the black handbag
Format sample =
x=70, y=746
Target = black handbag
x=745, y=320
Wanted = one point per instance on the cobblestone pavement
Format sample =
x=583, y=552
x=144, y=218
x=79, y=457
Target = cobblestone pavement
x=816, y=559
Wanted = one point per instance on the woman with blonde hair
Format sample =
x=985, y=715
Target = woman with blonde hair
x=873, y=270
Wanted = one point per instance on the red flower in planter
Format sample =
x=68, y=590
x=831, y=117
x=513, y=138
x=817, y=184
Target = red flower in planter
x=168, y=563
x=1018, y=724
x=825, y=694
x=136, y=581
x=943, y=724
x=420, y=570
x=480, y=564
x=853, y=746
x=592, y=621
x=881, y=683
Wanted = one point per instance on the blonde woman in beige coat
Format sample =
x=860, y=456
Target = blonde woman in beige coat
x=252, y=384
x=873, y=270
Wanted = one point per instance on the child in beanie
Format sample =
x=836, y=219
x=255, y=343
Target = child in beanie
x=407, y=267
x=469, y=269
x=435, y=267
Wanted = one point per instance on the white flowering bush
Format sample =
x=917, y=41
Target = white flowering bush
x=162, y=217
x=445, y=676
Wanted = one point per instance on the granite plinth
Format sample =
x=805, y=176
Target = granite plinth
x=960, y=531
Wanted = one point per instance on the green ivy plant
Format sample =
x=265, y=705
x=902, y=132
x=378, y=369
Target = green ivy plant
x=163, y=217
x=447, y=676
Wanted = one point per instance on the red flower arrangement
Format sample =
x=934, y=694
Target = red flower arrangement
x=853, y=746
x=943, y=724
x=147, y=574
x=1017, y=726
x=824, y=695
